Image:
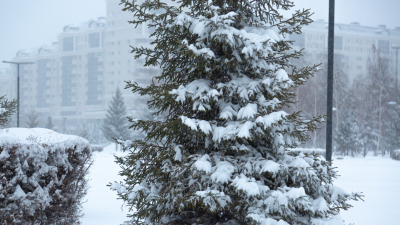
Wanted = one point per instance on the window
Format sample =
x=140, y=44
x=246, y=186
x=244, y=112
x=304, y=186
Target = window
x=94, y=40
x=140, y=61
x=68, y=44
x=359, y=58
x=144, y=40
x=338, y=42
x=299, y=39
x=152, y=30
x=384, y=47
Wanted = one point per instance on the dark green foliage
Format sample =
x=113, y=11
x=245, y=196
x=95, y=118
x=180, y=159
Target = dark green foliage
x=393, y=129
x=347, y=138
x=7, y=109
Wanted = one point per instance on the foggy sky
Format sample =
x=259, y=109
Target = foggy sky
x=27, y=24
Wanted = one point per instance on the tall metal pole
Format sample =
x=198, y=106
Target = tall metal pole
x=397, y=82
x=18, y=63
x=18, y=95
x=64, y=118
x=329, y=100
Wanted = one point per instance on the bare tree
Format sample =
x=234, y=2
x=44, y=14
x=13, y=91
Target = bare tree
x=378, y=90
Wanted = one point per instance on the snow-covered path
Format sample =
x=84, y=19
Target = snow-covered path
x=102, y=206
x=378, y=178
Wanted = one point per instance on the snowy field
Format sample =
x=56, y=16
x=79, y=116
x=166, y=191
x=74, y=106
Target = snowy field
x=378, y=178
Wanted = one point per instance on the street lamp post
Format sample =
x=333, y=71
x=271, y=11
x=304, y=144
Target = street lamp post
x=329, y=96
x=64, y=118
x=18, y=63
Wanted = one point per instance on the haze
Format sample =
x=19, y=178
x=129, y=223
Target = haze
x=28, y=24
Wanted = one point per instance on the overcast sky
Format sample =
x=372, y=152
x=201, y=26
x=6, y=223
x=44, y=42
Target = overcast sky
x=27, y=24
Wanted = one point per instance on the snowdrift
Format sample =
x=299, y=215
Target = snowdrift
x=42, y=176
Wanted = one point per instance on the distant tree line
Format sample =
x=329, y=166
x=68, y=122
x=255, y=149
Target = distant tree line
x=365, y=116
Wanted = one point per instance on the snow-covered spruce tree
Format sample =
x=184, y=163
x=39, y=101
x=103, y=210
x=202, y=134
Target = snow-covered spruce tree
x=7, y=108
x=219, y=155
x=393, y=130
x=115, y=125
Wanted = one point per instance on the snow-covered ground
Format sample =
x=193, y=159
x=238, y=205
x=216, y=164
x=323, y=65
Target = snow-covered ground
x=378, y=178
x=102, y=206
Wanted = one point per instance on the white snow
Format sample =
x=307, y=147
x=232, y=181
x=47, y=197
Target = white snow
x=189, y=122
x=248, y=111
x=223, y=172
x=205, y=126
x=19, y=193
x=244, y=131
x=203, y=164
x=102, y=206
x=269, y=119
x=246, y=184
x=178, y=153
x=378, y=178
x=268, y=166
x=35, y=135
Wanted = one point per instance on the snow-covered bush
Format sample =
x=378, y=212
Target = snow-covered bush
x=396, y=154
x=309, y=151
x=220, y=155
x=42, y=176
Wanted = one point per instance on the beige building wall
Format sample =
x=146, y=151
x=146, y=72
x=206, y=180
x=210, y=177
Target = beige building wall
x=353, y=41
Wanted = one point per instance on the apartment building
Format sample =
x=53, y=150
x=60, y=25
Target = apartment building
x=75, y=78
x=6, y=83
x=353, y=41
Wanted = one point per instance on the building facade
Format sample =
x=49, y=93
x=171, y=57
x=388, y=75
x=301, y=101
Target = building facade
x=352, y=41
x=73, y=80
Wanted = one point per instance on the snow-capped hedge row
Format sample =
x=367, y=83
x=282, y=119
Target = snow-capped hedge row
x=42, y=176
x=310, y=151
x=396, y=154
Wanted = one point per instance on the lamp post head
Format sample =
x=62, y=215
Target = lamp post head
x=18, y=62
